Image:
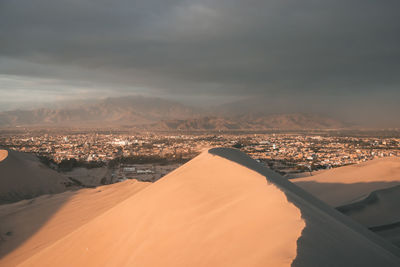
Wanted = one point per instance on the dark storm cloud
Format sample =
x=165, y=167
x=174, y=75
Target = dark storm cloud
x=197, y=47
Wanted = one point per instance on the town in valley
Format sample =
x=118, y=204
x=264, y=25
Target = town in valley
x=103, y=157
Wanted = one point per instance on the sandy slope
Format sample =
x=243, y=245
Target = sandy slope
x=369, y=193
x=220, y=209
x=391, y=234
x=380, y=212
x=349, y=184
x=381, y=207
x=23, y=176
x=208, y=213
x=38, y=223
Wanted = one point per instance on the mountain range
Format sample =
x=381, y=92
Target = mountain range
x=294, y=121
x=151, y=113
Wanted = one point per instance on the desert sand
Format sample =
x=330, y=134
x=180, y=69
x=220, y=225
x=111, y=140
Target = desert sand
x=220, y=209
x=36, y=224
x=208, y=213
x=345, y=185
x=369, y=193
x=23, y=176
x=381, y=207
x=379, y=212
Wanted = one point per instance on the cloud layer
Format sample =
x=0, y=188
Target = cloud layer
x=215, y=47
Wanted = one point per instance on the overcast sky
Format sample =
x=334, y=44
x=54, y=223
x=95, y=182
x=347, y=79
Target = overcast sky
x=201, y=50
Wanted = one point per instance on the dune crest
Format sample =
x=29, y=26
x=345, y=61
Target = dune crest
x=220, y=209
x=210, y=212
x=3, y=155
x=368, y=193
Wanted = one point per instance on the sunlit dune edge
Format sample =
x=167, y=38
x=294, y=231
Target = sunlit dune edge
x=220, y=209
x=368, y=193
x=210, y=212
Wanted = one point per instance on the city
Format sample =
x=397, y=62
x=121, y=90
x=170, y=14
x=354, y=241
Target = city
x=149, y=156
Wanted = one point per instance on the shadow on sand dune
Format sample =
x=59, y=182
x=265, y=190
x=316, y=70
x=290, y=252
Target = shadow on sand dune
x=379, y=212
x=28, y=198
x=35, y=224
x=328, y=233
x=21, y=220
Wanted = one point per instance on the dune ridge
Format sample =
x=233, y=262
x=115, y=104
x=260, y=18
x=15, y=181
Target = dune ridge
x=379, y=208
x=328, y=233
x=220, y=209
x=368, y=193
x=379, y=212
x=190, y=218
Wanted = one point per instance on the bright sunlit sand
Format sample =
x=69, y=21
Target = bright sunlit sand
x=220, y=209
x=210, y=212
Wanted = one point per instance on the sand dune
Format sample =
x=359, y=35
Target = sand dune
x=197, y=215
x=379, y=212
x=342, y=186
x=369, y=193
x=391, y=233
x=381, y=207
x=220, y=209
x=23, y=176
